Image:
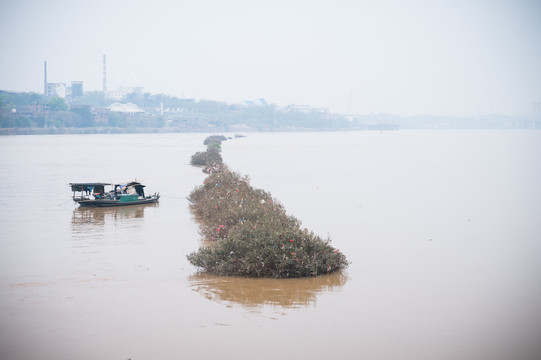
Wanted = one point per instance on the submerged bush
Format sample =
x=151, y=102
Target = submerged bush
x=253, y=234
x=226, y=199
x=265, y=249
x=208, y=158
x=214, y=139
x=211, y=158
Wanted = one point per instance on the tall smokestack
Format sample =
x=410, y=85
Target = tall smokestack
x=104, y=76
x=45, y=78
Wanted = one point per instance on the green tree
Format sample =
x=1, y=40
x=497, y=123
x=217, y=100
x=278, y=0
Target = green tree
x=87, y=119
x=133, y=98
x=21, y=99
x=39, y=121
x=158, y=121
x=57, y=104
x=66, y=119
x=7, y=121
x=23, y=122
x=117, y=120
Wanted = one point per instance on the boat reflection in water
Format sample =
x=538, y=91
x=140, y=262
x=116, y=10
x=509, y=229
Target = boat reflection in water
x=103, y=222
x=253, y=292
x=96, y=216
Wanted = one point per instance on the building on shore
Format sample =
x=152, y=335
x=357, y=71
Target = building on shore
x=56, y=90
x=76, y=89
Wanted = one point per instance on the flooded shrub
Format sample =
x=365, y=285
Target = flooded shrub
x=253, y=234
x=226, y=199
x=214, y=139
x=211, y=158
x=267, y=249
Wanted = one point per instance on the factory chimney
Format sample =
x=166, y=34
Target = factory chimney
x=104, y=76
x=45, y=78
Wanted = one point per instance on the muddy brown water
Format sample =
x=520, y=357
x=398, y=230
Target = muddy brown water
x=443, y=230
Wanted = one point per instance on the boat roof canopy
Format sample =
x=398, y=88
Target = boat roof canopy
x=91, y=185
x=135, y=183
x=85, y=186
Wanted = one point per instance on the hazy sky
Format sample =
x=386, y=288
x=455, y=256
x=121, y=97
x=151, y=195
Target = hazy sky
x=456, y=57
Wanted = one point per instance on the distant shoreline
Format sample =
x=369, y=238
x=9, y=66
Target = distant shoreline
x=90, y=130
x=172, y=130
x=168, y=130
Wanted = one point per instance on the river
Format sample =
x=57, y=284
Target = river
x=442, y=228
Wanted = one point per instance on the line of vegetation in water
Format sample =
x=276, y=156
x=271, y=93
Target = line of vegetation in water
x=251, y=234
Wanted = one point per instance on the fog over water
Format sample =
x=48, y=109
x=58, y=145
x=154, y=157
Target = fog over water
x=371, y=56
x=441, y=227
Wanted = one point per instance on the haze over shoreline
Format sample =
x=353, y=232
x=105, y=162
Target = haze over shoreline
x=458, y=58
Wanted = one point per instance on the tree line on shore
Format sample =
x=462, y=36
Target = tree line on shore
x=33, y=110
x=249, y=231
x=89, y=113
x=36, y=111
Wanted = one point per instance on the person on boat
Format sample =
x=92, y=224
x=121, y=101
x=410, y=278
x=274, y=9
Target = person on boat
x=98, y=194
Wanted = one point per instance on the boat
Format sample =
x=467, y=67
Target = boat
x=99, y=194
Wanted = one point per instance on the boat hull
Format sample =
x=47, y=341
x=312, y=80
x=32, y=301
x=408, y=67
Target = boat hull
x=115, y=203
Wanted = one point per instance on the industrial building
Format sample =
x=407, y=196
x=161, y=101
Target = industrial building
x=76, y=89
x=60, y=89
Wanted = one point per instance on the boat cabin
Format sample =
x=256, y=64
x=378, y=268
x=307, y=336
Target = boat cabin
x=96, y=191
x=86, y=190
x=109, y=194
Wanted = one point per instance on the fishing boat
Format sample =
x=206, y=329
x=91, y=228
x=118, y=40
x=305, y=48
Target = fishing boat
x=107, y=194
